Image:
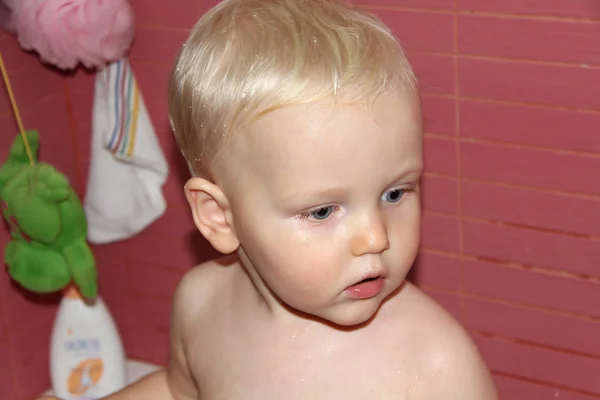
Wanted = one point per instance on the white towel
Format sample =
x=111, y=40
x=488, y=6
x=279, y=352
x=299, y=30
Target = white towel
x=128, y=168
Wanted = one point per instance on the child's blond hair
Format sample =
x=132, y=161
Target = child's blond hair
x=245, y=58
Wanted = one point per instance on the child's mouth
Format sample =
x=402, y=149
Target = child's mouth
x=367, y=288
x=367, y=280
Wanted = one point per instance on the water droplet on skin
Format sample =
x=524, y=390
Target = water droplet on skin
x=557, y=394
x=314, y=40
x=244, y=95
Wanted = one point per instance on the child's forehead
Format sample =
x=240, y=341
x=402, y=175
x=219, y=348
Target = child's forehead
x=313, y=137
x=401, y=111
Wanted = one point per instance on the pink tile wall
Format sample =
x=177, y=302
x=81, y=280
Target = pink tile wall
x=511, y=244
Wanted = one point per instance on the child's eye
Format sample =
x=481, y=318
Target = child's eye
x=393, y=196
x=322, y=213
x=318, y=214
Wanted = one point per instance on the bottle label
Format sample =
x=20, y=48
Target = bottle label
x=84, y=378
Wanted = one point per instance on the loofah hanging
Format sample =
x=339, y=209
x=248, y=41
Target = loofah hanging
x=66, y=33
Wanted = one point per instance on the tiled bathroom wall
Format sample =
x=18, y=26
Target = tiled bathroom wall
x=511, y=241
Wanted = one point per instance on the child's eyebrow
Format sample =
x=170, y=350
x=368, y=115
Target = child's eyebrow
x=316, y=194
x=336, y=192
x=412, y=173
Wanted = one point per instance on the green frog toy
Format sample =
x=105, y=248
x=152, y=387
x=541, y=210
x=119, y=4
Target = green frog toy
x=48, y=248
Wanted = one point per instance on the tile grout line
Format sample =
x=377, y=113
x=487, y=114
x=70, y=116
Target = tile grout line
x=551, y=385
x=499, y=301
x=484, y=13
x=458, y=154
x=524, y=104
x=515, y=266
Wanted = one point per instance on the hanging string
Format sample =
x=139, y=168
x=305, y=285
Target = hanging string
x=16, y=110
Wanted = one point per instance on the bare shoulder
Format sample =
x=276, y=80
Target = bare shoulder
x=193, y=301
x=200, y=288
x=448, y=358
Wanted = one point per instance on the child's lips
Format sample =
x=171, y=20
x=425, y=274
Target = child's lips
x=366, y=288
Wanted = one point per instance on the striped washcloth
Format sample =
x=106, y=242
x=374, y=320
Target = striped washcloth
x=126, y=108
x=127, y=165
x=129, y=135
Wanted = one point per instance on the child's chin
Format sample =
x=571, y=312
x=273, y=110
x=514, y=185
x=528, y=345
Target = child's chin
x=355, y=315
x=353, y=322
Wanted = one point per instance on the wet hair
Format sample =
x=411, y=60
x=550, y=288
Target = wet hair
x=246, y=58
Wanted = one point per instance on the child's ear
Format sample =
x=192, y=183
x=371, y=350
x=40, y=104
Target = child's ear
x=212, y=215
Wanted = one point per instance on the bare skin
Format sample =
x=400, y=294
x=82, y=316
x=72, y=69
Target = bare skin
x=332, y=200
x=412, y=349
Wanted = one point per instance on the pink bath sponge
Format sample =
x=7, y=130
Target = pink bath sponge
x=67, y=32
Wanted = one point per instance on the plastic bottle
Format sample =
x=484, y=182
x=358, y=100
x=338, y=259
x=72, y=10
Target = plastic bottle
x=87, y=360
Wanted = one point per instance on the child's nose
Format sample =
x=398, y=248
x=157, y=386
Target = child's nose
x=370, y=236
